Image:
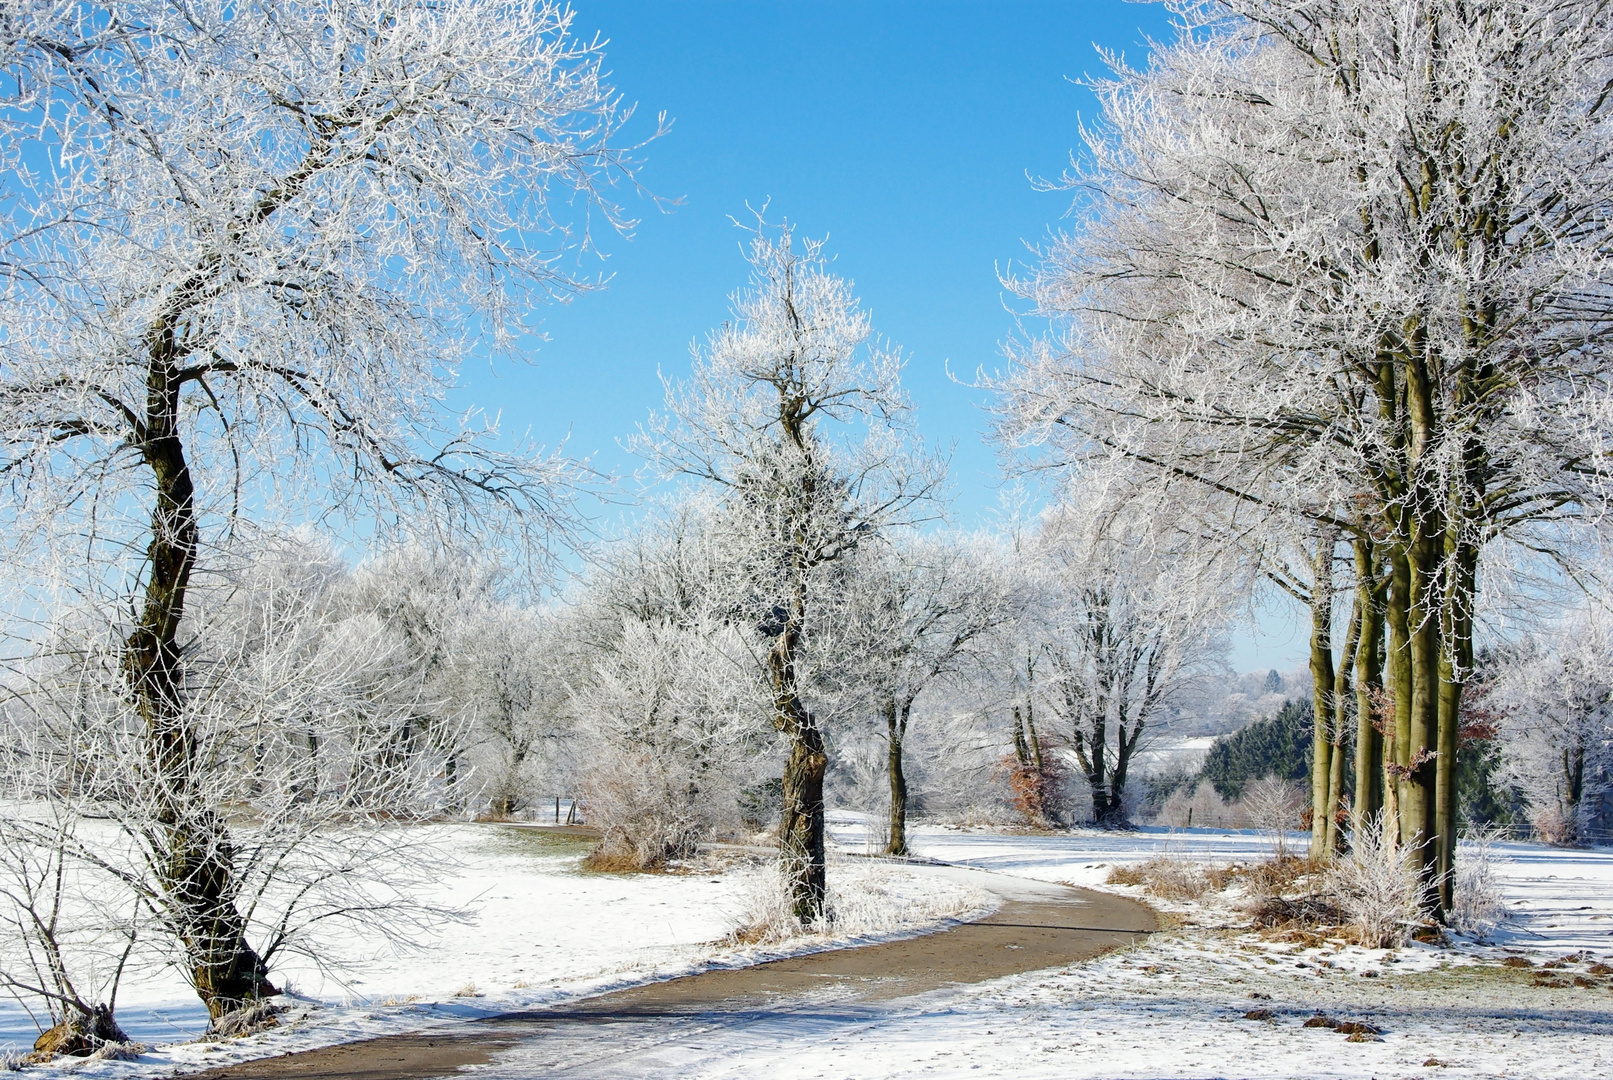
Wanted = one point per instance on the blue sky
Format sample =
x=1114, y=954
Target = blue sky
x=907, y=132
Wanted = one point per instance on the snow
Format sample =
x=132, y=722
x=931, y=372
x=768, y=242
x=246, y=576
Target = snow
x=1171, y=1007
x=536, y=930
x=1560, y=899
x=1168, y=1009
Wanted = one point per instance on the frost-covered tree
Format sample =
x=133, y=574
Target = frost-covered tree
x=799, y=424
x=510, y=675
x=1123, y=623
x=465, y=640
x=920, y=612
x=1347, y=263
x=245, y=247
x=1554, y=698
x=668, y=702
x=675, y=718
x=294, y=704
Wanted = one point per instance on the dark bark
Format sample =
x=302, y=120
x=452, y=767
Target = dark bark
x=801, y=829
x=801, y=826
x=1108, y=783
x=895, y=733
x=1574, y=778
x=197, y=864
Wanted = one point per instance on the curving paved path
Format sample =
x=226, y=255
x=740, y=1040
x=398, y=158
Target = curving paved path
x=657, y=1030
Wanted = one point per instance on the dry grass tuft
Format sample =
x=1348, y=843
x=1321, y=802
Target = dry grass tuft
x=1277, y=875
x=756, y=933
x=603, y=861
x=1167, y=877
x=1303, y=912
x=1379, y=889
x=1125, y=875
x=1309, y=937
x=118, y=1051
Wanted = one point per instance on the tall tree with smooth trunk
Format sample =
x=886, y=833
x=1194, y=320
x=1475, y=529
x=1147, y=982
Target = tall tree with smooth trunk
x=1349, y=263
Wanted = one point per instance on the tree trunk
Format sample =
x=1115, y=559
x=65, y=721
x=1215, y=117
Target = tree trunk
x=895, y=730
x=1343, y=699
x=1423, y=536
x=1574, y=785
x=1419, y=758
x=1104, y=810
x=1456, y=662
x=1321, y=690
x=196, y=867
x=801, y=830
x=1368, y=661
x=1108, y=811
x=1399, y=680
x=801, y=826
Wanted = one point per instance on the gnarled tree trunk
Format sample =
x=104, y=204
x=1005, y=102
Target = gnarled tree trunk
x=801, y=824
x=198, y=868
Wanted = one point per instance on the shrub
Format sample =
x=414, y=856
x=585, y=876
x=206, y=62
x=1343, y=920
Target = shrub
x=1125, y=875
x=1198, y=805
x=648, y=812
x=1274, y=806
x=1036, y=784
x=1476, y=904
x=1377, y=888
x=1556, y=826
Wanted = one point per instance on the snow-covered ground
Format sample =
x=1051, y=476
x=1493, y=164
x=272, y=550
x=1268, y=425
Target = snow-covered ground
x=1560, y=900
x=536, y=930
x=1197, y=1001
x=1176, y=1005
x=1174, y=1008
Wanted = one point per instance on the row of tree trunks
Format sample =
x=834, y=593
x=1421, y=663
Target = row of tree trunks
x=1410, y=634
x=1335, y=709
x=1413, y=589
